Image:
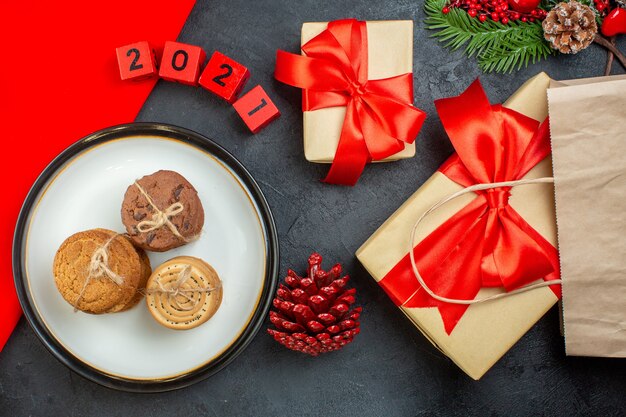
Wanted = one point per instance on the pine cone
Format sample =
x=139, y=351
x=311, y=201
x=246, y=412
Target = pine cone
x=312, y=314
x=570, y=27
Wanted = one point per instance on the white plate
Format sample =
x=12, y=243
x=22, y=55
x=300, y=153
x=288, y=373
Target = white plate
x=83, y=189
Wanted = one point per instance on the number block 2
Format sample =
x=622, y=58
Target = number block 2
x=256, y=109
x=224, y=77
x=136, y=61
x=181, y=63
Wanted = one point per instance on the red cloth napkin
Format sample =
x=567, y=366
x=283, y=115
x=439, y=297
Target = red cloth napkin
x=59, y=81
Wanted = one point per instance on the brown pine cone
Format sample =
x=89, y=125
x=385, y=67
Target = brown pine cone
x=570, y=27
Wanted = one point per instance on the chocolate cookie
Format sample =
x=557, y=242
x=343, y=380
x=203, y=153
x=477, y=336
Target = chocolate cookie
x=97, y=270
x=162, y=211
x=183, y=293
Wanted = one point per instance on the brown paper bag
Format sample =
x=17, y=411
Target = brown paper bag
x=588, y=129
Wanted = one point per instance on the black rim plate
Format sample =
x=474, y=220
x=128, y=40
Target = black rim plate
x=271, y=242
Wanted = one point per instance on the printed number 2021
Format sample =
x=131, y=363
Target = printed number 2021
x=218, y=78
x=133, y=65
x=183, y=64
x=257, y=108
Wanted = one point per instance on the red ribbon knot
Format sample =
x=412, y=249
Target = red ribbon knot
x=380, y=118
x=498, y=197
x=356, y=89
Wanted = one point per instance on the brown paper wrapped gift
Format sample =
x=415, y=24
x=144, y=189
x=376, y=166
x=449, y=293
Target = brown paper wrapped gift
x=485, y=331
x=390, y=53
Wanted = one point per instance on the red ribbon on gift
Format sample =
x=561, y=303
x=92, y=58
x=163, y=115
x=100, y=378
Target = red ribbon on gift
x=380, y=117
x=487, y=243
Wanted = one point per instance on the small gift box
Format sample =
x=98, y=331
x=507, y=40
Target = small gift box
x=357, y=95
x=473, y=246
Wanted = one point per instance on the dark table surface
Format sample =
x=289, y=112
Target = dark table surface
x=390, y=369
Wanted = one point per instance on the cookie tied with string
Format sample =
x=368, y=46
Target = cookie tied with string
x=100, y=271
x=183, y=293
x=162, y=211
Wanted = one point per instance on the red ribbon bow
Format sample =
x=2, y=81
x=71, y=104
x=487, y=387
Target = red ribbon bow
x=487, y=243
x=380, y=117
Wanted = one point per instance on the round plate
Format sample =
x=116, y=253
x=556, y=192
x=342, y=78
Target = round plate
x=83, y=189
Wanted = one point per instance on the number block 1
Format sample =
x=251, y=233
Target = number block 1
x=181, y=63
x=224, y=77
x=136, y=61
x=256, y=109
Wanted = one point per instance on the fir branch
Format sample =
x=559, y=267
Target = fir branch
x=498, y=47
x=514, y=56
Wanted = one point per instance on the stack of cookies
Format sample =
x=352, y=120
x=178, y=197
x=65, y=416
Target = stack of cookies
x=162, y=211
x=96, y=284
x=183, y=293
x=100, y=271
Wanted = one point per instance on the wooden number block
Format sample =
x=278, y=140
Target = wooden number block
x=224, y=77
x=181, y=63
x=136, y=61
x=256, y=109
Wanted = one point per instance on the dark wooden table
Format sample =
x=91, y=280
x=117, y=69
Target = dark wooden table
x=390, y=369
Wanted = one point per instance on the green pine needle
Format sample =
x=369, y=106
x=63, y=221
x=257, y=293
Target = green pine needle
x=498, y=47
x=513, y=56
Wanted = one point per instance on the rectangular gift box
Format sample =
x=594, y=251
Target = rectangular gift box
x=390, y=53
x=487, y=330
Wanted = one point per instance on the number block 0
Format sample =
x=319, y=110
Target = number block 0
x=181, y=63
x=224, y=77
x=136, y=61
x=256, y=109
